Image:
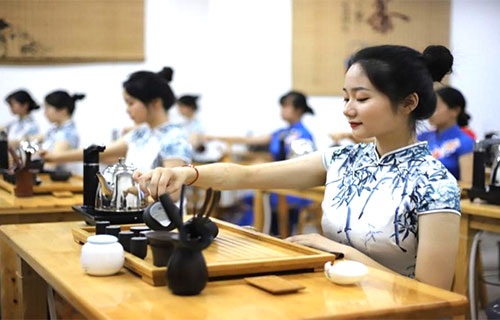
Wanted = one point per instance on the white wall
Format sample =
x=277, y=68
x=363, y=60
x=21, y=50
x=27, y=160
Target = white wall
x=237, y=55
x=475, y=41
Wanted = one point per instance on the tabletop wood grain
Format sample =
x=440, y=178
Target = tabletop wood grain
x=50, y=250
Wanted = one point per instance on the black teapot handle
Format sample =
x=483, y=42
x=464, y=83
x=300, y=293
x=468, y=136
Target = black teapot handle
x=171, y=210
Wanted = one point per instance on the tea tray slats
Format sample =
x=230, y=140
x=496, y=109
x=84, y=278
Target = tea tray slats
x=236, y=251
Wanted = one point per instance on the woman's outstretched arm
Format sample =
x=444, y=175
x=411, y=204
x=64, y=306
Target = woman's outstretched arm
x=300, y=173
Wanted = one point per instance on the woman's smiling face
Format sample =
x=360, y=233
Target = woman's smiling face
x=370, y=112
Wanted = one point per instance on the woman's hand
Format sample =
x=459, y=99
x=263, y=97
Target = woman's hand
x=161, y=180
x=319, y=242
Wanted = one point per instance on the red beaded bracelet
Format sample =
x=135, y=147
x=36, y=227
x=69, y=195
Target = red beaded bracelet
x=197, y=173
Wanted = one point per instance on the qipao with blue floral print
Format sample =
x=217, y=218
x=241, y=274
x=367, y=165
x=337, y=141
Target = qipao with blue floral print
x=22, y=128
x=373, y=203
x=148, y=148
x=63, y=132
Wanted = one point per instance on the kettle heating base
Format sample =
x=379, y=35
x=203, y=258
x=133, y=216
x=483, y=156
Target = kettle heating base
x=491, y=196
x=91, y=215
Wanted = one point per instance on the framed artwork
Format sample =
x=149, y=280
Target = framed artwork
x=327, y=32
x=71, y=30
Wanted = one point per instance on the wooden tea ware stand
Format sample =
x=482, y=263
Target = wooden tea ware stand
x=47, y=254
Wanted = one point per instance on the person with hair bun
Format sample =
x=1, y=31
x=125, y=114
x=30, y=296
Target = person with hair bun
x=154, y=142
x=58, y=109
x=21, y=104
x=388, y=204
x=448, y=143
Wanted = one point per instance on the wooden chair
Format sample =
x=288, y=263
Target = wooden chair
x=310, y=214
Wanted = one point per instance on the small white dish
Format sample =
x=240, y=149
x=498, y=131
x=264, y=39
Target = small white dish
x=102, y=255
x=345, y=272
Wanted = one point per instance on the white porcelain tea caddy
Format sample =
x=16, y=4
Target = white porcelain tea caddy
x=102, y=255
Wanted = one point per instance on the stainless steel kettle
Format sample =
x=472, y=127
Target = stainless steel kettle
x=495, y=165
x=117, y=191
x=486, y=151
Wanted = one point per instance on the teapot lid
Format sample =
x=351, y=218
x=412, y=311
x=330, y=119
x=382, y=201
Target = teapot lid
x=29, y=146
x=120, y=166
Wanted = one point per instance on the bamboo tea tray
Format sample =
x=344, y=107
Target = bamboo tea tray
x=73, y=184
x=235, y=252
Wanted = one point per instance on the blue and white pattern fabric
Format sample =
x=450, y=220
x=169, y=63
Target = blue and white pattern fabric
x=22, y=129
x=148, y=148
x=373, y=203
x=192, y=126
x=64, y=132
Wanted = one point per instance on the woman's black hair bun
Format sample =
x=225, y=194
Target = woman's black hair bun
x=166, y=73
x=438, y=60
x=78, y=96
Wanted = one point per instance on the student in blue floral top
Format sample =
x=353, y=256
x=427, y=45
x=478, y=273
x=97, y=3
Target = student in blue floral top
x=62, y=135
x=154, y=142
x=388, y=204
x=21, y=104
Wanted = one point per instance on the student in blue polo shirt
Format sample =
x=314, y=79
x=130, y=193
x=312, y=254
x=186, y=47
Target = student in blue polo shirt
x=293, y=107
x=448, y=143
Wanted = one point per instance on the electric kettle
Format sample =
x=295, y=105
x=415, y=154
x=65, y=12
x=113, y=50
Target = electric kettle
x=495, y=165
x=486, y=151
x=117, y=191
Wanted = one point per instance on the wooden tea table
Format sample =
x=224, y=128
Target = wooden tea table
x=38, y=208
x=45, y=205
x=47, y=254
x=476, y=216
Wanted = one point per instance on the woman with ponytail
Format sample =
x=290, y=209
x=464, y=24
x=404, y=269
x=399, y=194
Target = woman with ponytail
x=21, y=104
x=154, y=142
x=448, y=142
x=59, y=108
x=388, y=204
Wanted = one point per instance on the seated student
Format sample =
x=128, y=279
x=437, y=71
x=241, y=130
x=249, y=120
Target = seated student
x=62, y=136
x=293, y=108
x=154, y=142
x=188, y=107
x=448, y=143
x=21, y=104
x=463, y=118
x=386, y=202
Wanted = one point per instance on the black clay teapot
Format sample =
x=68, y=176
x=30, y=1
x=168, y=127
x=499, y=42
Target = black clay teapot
x=187, y=270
